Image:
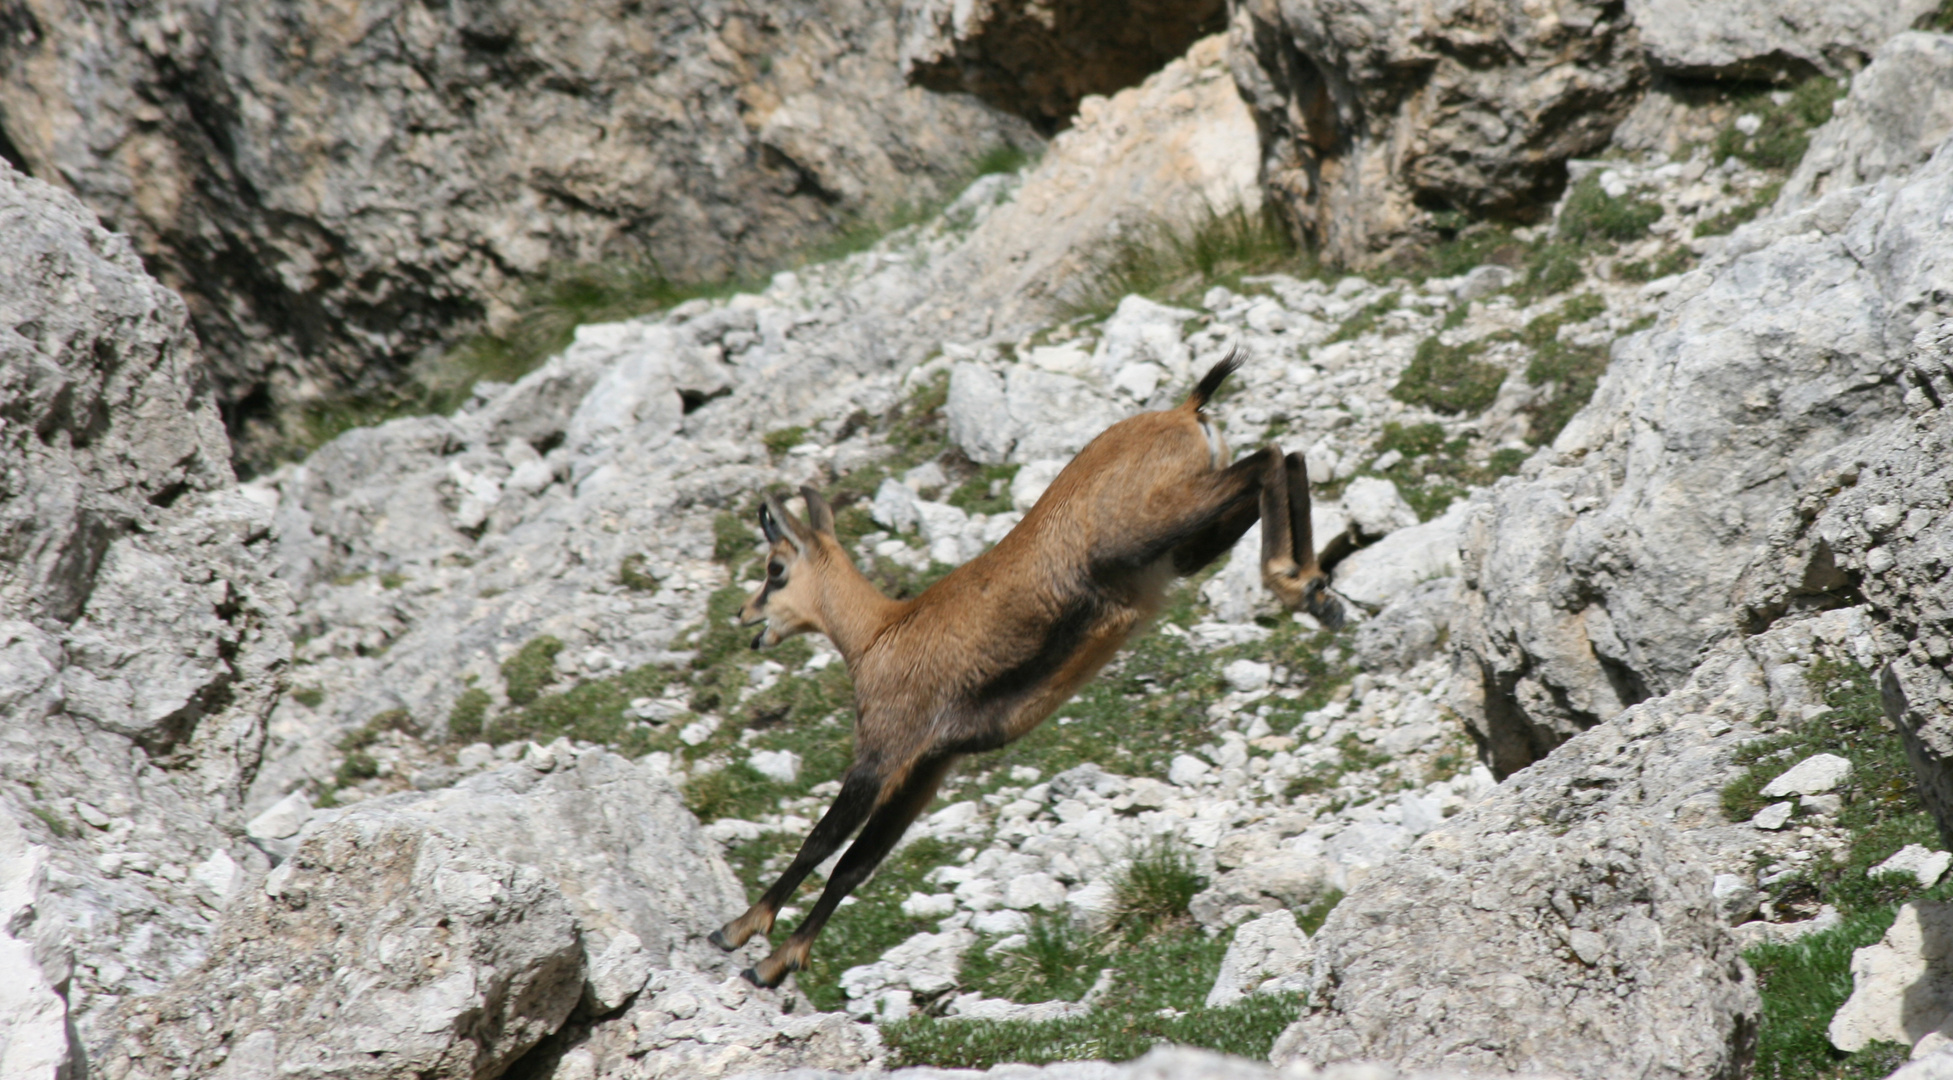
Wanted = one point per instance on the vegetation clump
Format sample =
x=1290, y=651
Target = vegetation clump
x=1449, y=378
x=1784, y=119
x=531, y=668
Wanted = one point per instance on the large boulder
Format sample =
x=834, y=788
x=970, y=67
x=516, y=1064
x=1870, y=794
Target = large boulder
x=1748, y=39
x=381, y=949
x=1375, y=112
x=333, y=210
x=1593, y=952
x=142, y=646
x=1596, y=577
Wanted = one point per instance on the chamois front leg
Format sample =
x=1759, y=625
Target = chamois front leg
x=851, y=807
x=1288, y=551
x=885, y=827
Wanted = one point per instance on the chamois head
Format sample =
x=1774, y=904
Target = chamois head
x=789, y=600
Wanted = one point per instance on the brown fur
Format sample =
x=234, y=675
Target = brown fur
x=984, y=655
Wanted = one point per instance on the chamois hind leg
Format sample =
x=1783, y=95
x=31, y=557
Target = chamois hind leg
x=1288, y=552
x=1220, y=513
x=851, y=807
x=877, y=839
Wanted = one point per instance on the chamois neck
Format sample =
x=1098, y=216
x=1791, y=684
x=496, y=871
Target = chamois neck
x=853, y=612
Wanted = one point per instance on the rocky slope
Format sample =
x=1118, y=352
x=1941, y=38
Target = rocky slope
x=336, y=194
x=520, y=762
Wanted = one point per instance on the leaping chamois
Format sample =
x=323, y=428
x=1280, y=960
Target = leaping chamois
x=982, y=656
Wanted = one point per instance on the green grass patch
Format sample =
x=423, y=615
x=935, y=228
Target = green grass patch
x=1803, y=983
x=1590, y=216
x=783, y=440
x=634, y=573
x=1435, y=470
x=988, y=492
x=309, y=696
x=1785, y=129
x=465, y=717
x=1311, y=918
x=1573, y=371
x=1449, y=378
x=531, y=668
x=1726, y=222
x=1672, y=261
x=55, y=823
x=1059, y=961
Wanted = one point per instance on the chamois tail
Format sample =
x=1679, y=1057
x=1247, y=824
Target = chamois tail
x=1210, y=383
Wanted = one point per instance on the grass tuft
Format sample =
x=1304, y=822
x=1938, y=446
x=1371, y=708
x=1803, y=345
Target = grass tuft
x=1156, y=889
x=465, y=717
x=1784, y=132
x=1171, y=261
x=1726, y=222
x=531, y=668
x=1447, y=378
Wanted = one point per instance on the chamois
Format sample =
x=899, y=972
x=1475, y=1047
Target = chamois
x=982, y=656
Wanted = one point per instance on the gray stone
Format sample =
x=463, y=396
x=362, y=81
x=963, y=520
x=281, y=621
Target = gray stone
x=1774, y=816
x=1718, y=39
x=1502, y=98
x=33, y=1015
x=1899, y=110
x=1736, y=897
x=1376, y=508
x=1410, y=556
x=381, y=947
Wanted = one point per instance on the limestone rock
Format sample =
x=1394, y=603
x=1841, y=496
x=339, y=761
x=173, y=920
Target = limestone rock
x=1373, y=109
x=1899, y=109
x=616, y=839
x=1595, y=953
x=142, y=626
x=1588, y=582
x=381, y=948
x=1267, y=955
x=1039, y=60
x=323, y=249
x=33, y=1015
x=1814, y=775
x=1916, y=859
x=1718, y=39
x=1403, y=560
x=1902, y=986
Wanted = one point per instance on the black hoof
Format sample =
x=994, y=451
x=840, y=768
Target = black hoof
x=752, y=976
x=718, y=937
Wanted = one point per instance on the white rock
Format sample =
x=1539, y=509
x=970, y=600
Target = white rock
x=283, y=819
x=218, y=878
x=1139, y=380
x=1736, y=897
x=1920, y=861
x=1902, y=985
x=781, y=766
x=1142, y=331
x=618, y=972
x=895, y=506
x=1401, y=561
x=1772, y=817
x=929, y=905
x=1377, y=507
x=1187, y=770
x=1814, y=775
x=33, y=1018
x=1247, y=676
x=1027, y=891
x=1267, y=954
x=1002, y=922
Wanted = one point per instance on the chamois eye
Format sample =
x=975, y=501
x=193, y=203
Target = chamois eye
x=776, y=570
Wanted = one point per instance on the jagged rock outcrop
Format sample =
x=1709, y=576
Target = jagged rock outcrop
x=1039, y=59
x=144, y=643
x=1566, y=922
x=1596, y=578
x=1898, y=111
x=336, y=194
x=382, y=948
x=1878, y=521
x=1718, y=39
x=1374, y=113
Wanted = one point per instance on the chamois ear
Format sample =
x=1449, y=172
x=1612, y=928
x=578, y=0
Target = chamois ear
x=780, y=525
x=819, y=514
